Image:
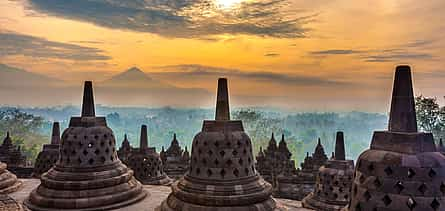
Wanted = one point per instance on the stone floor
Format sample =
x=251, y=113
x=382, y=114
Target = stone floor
x=157, y=195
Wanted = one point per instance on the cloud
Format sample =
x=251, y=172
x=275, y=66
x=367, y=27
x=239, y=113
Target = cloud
x=272, y=54
x=394, y=55
x=399, y=53
x=13, y=44
x=195, y=70
x=183, y=18
x=335, y=52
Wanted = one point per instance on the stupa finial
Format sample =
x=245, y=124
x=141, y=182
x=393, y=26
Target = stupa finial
x=340, y=147
x=143, y=145
x=88, y=100
x=402, y=117
x=55, y=137
x=222, y=101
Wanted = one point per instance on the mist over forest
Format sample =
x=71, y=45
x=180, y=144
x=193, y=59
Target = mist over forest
x=301, y=130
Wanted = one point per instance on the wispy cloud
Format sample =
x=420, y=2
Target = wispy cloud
x=335, y=52
x=409, y=51
x=13, y=44
x=184, y=18
x=195, y=70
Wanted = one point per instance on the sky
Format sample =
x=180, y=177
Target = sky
x=318, y=55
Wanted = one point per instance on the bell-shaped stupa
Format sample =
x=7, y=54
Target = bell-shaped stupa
x=88, y=174
x=147, y=164
x=222, y=173
x=333, y=184
x=8, y=181
x=402, y=171
x=49, y=154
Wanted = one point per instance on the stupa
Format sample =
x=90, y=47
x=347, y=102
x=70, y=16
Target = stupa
x=146, y=163
x=402, y=170
x=8, y=181
x=333, y=185
x=125, y=150
x=267, y=161
x=222, y=173
x=88, y=174
x=11, y=154
x=49, y=154
x=173, y=160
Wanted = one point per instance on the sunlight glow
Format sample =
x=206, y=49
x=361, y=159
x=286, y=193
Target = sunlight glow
x=226, y=4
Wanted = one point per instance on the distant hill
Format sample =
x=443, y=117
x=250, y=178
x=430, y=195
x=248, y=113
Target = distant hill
x=134, y=77
x=13, y=77
x=132, y=87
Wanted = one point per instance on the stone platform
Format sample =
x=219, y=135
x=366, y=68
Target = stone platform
x=157, y=195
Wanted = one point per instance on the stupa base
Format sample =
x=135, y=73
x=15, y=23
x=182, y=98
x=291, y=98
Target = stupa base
x=133, y=200
x=12, y=188
x=173, y=204
x=163, y=181
x=312, y=202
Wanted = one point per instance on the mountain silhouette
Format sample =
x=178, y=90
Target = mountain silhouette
x=134, y=78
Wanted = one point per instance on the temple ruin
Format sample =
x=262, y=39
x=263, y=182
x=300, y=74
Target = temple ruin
x=222, y=173
x=146, y=163
x=333, y=185
x=402, y=170
x=49, y=154
x=88, y=174
x=11, y=154
x=175, y=160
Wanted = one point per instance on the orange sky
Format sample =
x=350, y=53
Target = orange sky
x=316, y=52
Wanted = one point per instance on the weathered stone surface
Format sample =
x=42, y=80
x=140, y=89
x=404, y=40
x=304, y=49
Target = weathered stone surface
x=158, y=193
x=147, y=164
x=8, y=181
x=402, y=170
x=175, y=160
x=333, y=186
x=88, y=174
x=49, y=154
x=222, y=173
x=9, y=204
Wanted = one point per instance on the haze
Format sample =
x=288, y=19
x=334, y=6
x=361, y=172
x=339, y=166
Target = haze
x=317, y=55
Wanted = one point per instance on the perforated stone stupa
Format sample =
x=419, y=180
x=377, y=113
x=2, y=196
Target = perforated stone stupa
x=332, y=189
x=146, y=163
x=175, y=160
x=49, y=154
x=222, y=173
x=402, y=170
x=88, y=174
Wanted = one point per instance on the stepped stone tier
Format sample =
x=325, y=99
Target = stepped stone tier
x=333, y=185
x=49, y=154
x=147, y=164
x=402, y=170
x=8, y=181
x=125, y=150
x=222, y=173
x=11, y=154
x=175, y=160
x=88, y=174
